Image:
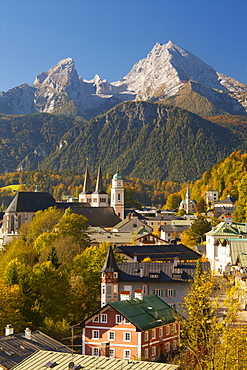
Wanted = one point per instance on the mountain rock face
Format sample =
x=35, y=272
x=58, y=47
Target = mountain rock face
x=165, y=71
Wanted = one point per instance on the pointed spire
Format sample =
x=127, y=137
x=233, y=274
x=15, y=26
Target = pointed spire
x=87, y=187
x=110, y=264
x=99, y=183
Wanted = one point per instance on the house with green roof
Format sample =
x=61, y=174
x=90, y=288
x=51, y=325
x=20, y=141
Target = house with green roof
x=219, y=244
x=132, y=330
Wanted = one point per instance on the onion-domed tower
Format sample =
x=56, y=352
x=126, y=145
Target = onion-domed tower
x=117, y=195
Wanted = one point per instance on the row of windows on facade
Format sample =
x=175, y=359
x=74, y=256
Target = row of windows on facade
x=169, y=329
x=95, y=200
x=127, y=352
x=103, y=318
x=112, y=290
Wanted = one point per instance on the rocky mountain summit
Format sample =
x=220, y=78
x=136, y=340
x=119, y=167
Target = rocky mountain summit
x=167, y=71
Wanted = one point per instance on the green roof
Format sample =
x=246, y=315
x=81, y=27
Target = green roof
x=145, y=314
x=243, y=259
x=237, y=247
x=226, y=230
x=117, y=176
x=41, y=360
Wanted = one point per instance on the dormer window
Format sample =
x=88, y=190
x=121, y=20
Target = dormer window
x=153, y=275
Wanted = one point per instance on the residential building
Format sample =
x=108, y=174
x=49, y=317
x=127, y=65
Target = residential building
x=41, y=360
x=132, y=330
x=169, y=281
x=219, y=254
x=17, y=347
x=225, y=207
x=126, y=238
x=160, y=253
x=211, y=197
x=231, y=254
x=173, y=232
x=132, y=224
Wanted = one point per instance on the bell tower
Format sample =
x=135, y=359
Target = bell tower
x=86, y=194
x=99, y=196
x=117, y=195
x=109, y=279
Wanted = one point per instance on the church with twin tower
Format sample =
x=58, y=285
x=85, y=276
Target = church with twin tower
x=99, y=197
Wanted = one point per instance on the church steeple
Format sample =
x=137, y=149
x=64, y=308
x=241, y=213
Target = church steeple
x=109, y=279
x=87, y=186
x=85, y=195
x=187, y=200
x=99, y=182
x=99, y=196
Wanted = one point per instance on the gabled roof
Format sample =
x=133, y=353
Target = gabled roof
x=26, y=201
x=132, y=220
x=174, y=228
x=146, y=234
x=16, y=347
x=97, y=216
x=165, y=272
x=237, y=247
x=229, y=200
x=112, y=237
x=39, y=359
x=159, y=252
x=145, y=314
x=227, y=230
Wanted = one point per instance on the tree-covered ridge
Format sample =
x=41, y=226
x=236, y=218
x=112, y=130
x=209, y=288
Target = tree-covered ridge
x=228, y=177
x=34, y=135
x=145, y=140
x=148, y=141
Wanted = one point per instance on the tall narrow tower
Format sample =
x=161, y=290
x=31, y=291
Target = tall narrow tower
x=109, y=279
x=187, y=200
x=86, y=194
x=99, y=196
x=117, y=195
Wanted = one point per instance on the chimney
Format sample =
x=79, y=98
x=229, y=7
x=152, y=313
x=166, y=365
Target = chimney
x=141, y=272
x=9, y=330
x=139, y=294
x=28, y=333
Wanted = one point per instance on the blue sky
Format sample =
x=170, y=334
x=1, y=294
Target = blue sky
x=108, y=36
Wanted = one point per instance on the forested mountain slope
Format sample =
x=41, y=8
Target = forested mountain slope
x=149, y=141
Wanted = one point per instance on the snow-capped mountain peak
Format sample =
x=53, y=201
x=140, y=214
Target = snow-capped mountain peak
x=165, y=71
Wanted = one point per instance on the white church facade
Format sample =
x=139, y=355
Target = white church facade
x=99, y=197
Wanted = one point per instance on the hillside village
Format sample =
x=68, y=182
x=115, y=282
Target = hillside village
x=123, y=237
x=139, y=280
